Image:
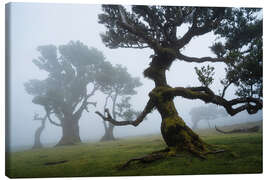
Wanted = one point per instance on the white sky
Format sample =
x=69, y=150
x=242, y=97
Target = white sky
x=34, y=24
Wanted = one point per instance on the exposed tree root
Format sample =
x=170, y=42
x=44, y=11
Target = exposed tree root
x=165, y=153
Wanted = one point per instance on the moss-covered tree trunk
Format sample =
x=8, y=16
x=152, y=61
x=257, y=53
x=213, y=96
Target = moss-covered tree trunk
x=177, y=135
x=70, y=132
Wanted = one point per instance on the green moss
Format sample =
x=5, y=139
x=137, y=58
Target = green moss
x=168, y=51
x=173, y=151
x=173, y=121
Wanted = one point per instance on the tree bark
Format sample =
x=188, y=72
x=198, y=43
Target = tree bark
x=177, y=135
x=70, y=132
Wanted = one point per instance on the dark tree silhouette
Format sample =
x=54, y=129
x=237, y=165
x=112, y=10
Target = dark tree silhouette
x=37, y=142
x=117, y=84
x=156, y=27
x=210, y=112
x=65, y=93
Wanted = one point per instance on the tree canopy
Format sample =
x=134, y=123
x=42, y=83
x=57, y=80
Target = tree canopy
x=118, y=86
x=64, y=93
x=158, y=28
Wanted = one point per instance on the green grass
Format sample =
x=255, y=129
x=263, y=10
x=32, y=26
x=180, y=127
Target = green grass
x=244, y=155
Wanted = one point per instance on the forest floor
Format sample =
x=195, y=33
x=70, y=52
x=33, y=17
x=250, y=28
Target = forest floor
x=243, y=155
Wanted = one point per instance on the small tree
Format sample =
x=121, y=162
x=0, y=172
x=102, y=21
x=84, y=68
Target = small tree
x=156, y=27
x=64, y=93
x=37, y=142
x=205, y=75
x=117, y=85
x=210, y=112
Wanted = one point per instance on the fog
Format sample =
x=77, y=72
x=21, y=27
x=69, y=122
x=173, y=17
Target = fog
x=34, y=24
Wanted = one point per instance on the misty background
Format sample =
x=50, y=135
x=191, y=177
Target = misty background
x=35, y=24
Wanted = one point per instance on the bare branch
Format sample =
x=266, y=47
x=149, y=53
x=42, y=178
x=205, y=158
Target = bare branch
x=206, y=95
x=225, y=88
x=134, y=47
x=199, y=60
x=148, y=108
x=85, y=103
x=197, y=31
x=50, y=119
x=136, y=31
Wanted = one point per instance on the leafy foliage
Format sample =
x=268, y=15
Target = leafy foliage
x=243, y=46
x=71, y=68
x=205, y=75
x=158, y=23
x=125, y=111
x=117, y=80
x=118, y=83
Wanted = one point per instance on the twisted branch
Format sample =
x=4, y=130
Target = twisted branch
x=135, y=30
x=148, y=109
x=50, y=119
x=206, y=95
x=180, y=56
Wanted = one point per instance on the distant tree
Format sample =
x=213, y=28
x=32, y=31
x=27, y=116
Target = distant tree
x=210, y=112
x=156, y=27
x=117, y=85
x=37, y=142
x=71, y=81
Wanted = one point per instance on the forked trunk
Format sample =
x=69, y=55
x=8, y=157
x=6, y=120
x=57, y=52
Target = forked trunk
x=70, y=132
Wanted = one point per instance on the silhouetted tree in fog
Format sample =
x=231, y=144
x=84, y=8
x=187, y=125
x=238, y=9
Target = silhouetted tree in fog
x=156, y=27
x=210, y=112
x=117, y=85
x=70, y=83
x=37, y=142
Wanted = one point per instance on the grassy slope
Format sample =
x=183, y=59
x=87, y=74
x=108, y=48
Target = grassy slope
x=244, y=155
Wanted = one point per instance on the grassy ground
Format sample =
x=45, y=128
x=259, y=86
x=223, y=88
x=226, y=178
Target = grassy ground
x=244, y=155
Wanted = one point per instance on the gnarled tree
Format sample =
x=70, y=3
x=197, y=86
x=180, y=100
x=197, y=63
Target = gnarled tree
x=65, y=93
x=37, y=142
x=156, y=27
x=118, y=86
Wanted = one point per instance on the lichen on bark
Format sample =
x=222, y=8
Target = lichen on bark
x=177, y=135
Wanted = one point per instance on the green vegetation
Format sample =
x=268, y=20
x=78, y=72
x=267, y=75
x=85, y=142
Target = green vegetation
x=243, y=155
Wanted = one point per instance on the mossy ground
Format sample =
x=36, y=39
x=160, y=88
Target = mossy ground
x=244, y=155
